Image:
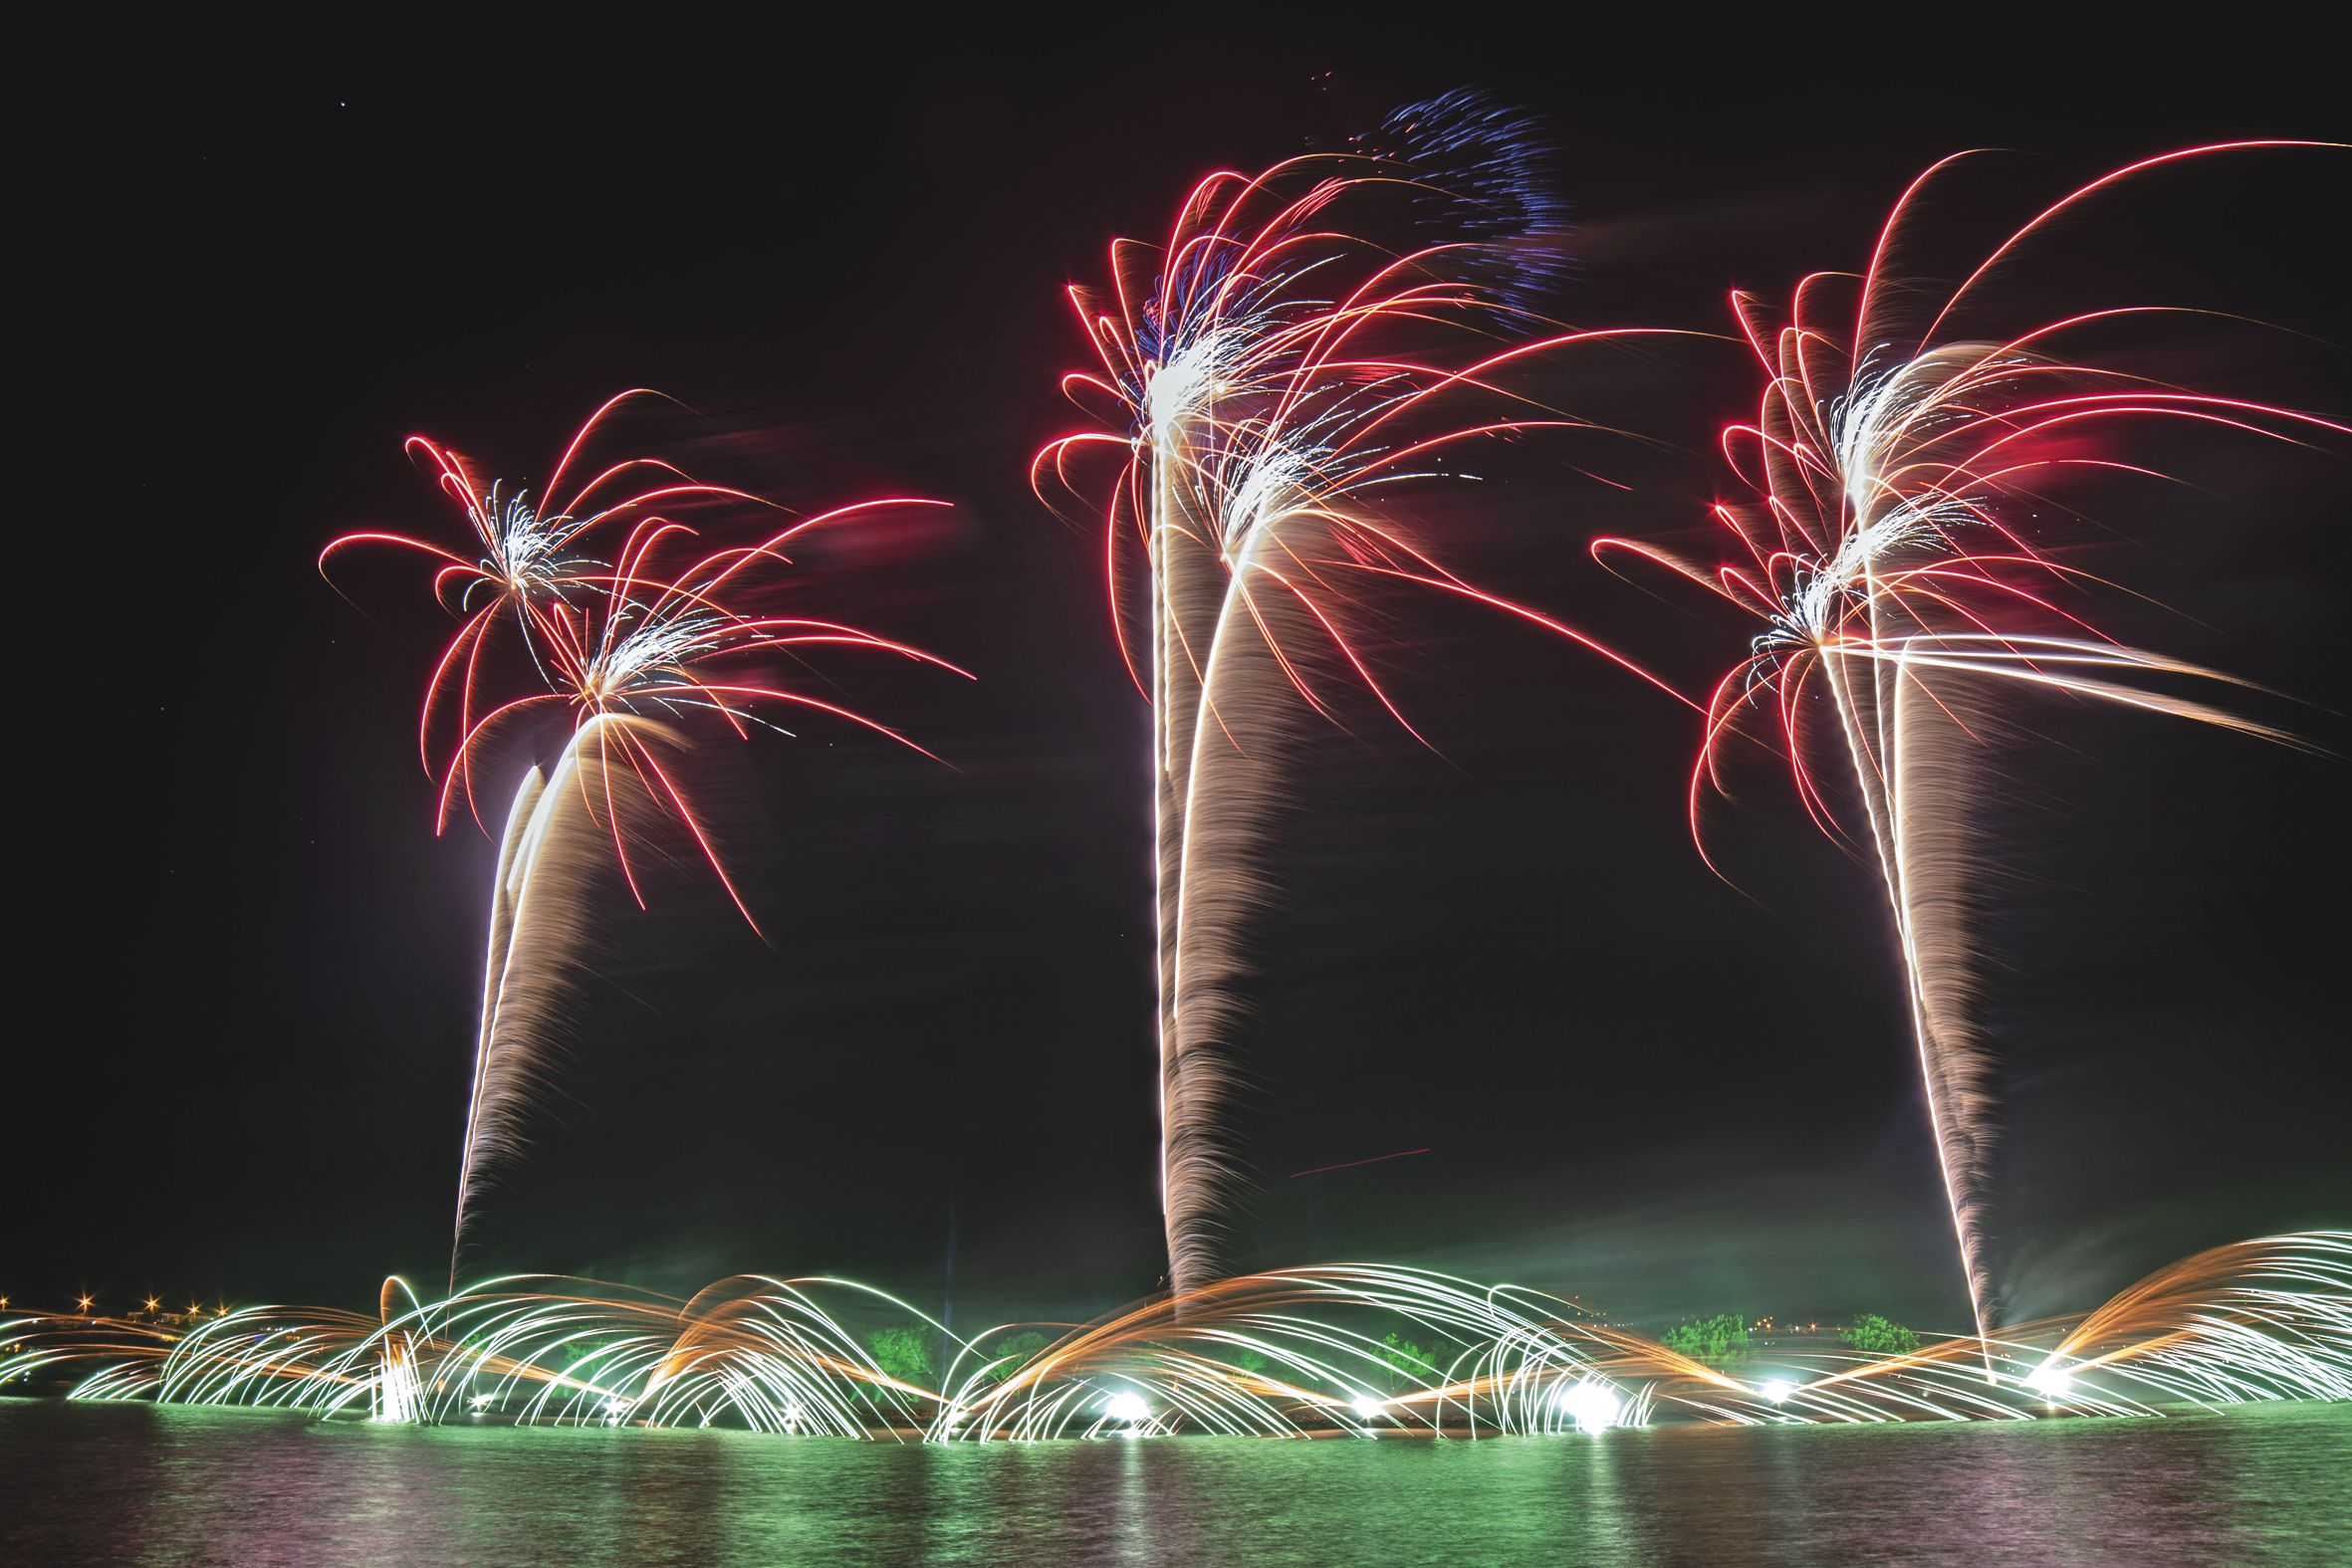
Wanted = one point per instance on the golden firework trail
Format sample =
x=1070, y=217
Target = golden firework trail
x=1297, y=1352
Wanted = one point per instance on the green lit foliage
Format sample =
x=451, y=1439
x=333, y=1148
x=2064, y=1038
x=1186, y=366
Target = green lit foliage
x=1411, y=1363
x=1010, y=1352
x=911, y=1355
x=1717, y=1340
x=1876, y=1336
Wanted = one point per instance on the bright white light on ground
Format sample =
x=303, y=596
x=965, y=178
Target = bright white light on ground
x=1593, y=1406
x=2051, y=1381
x=1777, y=1390
x=481, y=1401
x=1366, y=1406
x=1127, y=1405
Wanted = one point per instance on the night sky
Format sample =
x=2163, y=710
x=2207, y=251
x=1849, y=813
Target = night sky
x=244, y=1011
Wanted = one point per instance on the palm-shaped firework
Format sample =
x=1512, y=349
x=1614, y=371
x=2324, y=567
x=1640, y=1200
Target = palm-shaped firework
x=533, y=556
x=631, y=651
x=1887, y=558
x=1251, y=369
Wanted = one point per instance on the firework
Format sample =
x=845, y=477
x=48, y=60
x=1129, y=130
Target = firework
x=630, y=652
x=530, y=556
x=1890, y=555
x=647, y=648
x=769, y=1354
x=1295, y=1352
x=1251, y=370
x=1355, y=1349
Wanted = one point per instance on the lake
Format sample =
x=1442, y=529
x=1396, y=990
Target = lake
x=135, y=1483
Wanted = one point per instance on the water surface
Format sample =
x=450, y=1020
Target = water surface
x=129, y=1483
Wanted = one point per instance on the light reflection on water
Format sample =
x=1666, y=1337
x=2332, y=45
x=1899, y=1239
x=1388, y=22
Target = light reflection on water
x=135, y=1483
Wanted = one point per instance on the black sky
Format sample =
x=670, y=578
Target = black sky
x=243, y=1019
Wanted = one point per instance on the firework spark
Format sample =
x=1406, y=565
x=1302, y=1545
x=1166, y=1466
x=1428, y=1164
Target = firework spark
x=1888, y=555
